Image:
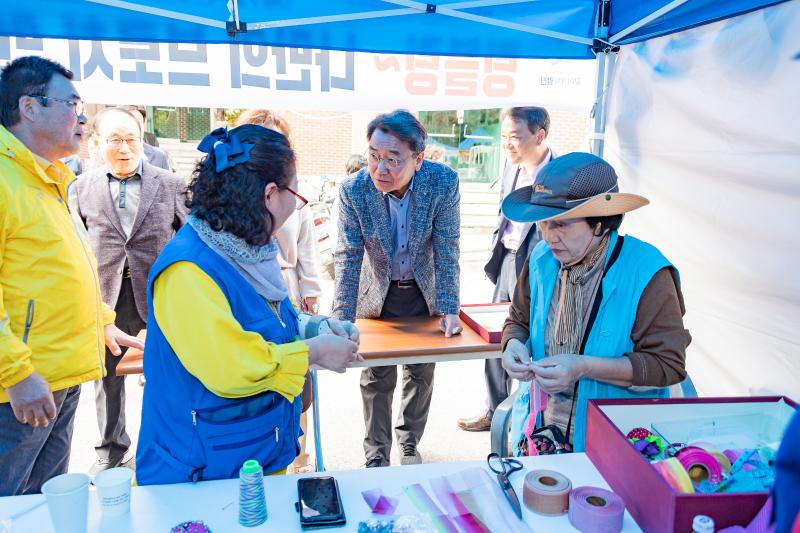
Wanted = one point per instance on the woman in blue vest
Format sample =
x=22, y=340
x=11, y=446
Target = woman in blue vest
x=223, y=358
x=594, y=314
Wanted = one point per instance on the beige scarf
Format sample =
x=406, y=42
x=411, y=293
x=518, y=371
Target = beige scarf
x=569, y=320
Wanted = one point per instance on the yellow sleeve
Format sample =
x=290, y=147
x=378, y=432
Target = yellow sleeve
x=197, y=320
x=109, y=315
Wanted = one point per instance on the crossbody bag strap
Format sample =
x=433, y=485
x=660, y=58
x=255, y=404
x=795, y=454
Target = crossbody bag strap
x=590, y=324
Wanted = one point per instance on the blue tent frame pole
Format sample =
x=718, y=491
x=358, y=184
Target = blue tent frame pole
x=599, y=104
x=600, y=47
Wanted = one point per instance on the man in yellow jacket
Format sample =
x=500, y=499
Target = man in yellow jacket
x=53, y=323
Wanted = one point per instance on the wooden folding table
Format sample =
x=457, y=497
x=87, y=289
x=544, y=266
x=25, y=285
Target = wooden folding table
x=392, y=341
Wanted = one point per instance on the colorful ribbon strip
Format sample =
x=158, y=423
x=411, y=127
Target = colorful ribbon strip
x=425, y=504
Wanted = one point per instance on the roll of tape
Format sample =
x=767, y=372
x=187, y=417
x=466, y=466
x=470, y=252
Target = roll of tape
x=546, y=492
x=673, y=473
x=594, y=510
x=700, y=465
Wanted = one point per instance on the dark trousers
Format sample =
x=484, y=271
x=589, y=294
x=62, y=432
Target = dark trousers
x=498, y=383
x=30, y=456
x=109, y=393
x=378, y=384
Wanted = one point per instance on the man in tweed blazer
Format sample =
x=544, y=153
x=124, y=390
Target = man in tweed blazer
x=397, y=255
x=130, y=209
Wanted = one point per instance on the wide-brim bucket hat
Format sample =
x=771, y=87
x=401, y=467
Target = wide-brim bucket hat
x=575, y=185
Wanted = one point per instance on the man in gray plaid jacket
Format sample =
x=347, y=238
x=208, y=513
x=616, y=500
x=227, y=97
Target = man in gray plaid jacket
x=397, y=255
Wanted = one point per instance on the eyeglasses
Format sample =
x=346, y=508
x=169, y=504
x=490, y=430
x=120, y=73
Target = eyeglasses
x=390, y=162
x=116, y=142
x=300, y=201
x=75, y=103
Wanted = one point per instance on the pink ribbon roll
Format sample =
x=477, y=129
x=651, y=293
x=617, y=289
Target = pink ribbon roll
x=700, y=465
x=594, y=510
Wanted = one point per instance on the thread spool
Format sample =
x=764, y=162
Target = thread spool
x=675, y=475
x=595, y=510
x=252, y=502
x=546, y=492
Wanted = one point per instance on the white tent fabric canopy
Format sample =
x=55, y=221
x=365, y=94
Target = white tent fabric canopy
x=704, y=123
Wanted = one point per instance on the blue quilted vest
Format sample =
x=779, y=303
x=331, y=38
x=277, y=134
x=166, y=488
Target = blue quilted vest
x=610, y=334
x=188, y=433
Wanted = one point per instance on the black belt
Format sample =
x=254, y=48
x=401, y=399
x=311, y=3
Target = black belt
x=403, y=283
x=510, y=251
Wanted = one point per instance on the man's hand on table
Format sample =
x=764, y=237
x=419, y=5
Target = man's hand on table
x=115, y=338
x=32, y=401
x=450, y=325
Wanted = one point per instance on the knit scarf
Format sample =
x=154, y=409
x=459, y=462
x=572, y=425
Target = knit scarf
x=257, y=264
x=569, y=320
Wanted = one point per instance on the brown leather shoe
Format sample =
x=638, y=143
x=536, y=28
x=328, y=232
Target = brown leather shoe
x=476, y=423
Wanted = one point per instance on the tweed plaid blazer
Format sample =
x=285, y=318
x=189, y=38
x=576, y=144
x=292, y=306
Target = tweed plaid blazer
x=363, y=257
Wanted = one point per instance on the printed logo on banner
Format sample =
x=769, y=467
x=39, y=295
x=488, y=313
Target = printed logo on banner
x=460, y=76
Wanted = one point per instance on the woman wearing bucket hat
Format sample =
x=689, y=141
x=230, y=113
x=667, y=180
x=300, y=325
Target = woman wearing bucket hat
x=594, y=314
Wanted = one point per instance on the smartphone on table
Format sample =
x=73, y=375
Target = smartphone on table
x=319, y=502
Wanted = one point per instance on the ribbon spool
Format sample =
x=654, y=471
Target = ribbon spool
x=675, y=475
x=723, y=460
x=546, y=492
x=594, y=510
x=700, y=465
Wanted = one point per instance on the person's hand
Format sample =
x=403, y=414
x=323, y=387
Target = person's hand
x=516, y=361
x=332, y=352
x=345, y=328
x=310, y=304
x=558, y=373
x=115, y=338
x=450, y=325
x=32, y=401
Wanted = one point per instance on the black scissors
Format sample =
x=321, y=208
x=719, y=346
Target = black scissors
x=504, y=468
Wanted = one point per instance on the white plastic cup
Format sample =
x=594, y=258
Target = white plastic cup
x=114, y=490
x=68, y=501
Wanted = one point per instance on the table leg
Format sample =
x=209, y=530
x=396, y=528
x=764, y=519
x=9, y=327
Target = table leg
x=317, y=435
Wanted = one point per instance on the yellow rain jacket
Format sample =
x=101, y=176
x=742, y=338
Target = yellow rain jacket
x=51, y=313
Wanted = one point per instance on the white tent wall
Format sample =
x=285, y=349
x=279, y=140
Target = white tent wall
x=705, y=123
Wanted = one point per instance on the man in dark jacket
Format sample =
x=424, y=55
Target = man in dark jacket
x=523, y=135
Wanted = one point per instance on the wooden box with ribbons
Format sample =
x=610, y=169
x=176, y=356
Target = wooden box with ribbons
x=673, y=459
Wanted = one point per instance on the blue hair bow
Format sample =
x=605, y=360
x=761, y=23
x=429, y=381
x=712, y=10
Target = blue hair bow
x=228, y=150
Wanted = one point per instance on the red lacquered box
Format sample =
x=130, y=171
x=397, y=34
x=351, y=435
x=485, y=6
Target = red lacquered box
x=654, y=505
x=486, y=319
